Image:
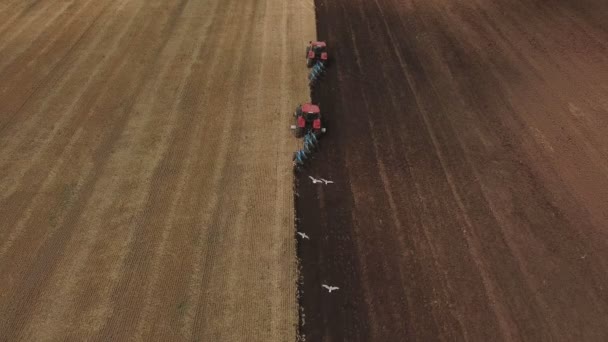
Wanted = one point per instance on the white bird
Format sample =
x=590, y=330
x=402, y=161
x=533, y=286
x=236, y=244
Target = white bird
x=326, y=181
x=330, y=288
x=314, y=180
x=303, y=235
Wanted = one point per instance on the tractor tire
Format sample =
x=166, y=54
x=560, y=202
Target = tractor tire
x=299, y=132
x=324, y=125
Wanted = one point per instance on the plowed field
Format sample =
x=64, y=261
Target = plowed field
x=145, y=168
x=467, y=141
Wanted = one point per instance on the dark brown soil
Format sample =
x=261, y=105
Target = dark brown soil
x=467, y=141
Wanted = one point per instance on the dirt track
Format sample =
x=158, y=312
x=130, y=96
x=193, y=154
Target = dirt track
x=145, y=168
x=468, y=145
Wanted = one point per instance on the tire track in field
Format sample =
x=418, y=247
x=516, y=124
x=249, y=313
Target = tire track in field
x=99, y=173
x=219, y=323
x=94, y=293
x=13, y=19
x=52, y=97
x=52, y=47
x=240, y=222
x=284, y=308
x=361, y=225
x=385, y=172
x=207, y=243
x=46, y=106
x=221, y=224
x=52, y=250
x=509, y=245
x=11, y=8
x=489, y=114
x=556, y=219
x=165, y=28
x=31, y=173
x=183, y=315
x=149, y=324
x=46, y=78
x=35, y=172
x=173, y=160
x=389, y=275
x=506, y=325
x=448, y=292
x=482, y=206
x=17, y=42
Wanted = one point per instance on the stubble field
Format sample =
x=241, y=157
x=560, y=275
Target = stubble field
x=145, y=183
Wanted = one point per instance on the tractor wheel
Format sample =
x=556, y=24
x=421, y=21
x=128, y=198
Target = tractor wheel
x=299, y=132
x=324, y=126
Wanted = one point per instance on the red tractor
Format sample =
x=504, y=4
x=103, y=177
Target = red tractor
x=308, y=119
x=316, y=51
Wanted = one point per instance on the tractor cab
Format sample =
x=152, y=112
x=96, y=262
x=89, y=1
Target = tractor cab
x=308, y=112
x=316, y=51
x=308, y=119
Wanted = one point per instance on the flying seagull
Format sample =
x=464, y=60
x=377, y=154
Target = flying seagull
x=314, y=180
x=330, y=288
x=303, y=235
x=326, y=181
